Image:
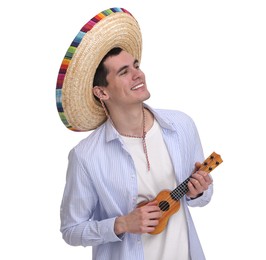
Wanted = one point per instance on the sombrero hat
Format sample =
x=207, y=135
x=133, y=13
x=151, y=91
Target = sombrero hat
x=76, y=104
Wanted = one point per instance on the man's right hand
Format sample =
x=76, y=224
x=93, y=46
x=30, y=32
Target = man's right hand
x=141, y=220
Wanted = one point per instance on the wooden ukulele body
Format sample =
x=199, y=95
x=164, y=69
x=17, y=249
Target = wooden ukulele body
x=168, y=207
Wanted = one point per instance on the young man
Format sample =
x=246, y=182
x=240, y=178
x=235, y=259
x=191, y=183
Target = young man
x=132, y=156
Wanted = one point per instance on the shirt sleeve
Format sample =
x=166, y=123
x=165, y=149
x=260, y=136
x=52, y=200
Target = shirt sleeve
x=205, y=198
x=79, y=201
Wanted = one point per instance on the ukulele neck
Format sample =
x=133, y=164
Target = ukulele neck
x=180, y=190
x=208, y=165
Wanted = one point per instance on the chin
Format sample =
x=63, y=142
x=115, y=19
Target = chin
x=147, y=96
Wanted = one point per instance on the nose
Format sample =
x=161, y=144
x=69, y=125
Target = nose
x=137, y=73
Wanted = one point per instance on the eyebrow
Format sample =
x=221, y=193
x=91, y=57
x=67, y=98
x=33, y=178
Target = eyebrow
x=126, y=66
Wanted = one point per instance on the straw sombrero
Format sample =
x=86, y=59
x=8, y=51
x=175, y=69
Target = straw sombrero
x=76, y=104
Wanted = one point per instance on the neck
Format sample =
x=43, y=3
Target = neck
x=132, y=122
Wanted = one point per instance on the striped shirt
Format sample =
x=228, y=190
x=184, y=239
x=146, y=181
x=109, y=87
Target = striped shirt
x=101, y=184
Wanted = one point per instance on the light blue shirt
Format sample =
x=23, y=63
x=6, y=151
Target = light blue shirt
x=101, y=184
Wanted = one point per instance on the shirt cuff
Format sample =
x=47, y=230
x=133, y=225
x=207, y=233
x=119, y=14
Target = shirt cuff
x=106, y=231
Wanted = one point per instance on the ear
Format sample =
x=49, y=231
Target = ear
x=100, y=92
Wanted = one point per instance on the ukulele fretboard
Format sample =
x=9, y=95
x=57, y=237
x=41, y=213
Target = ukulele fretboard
x=208, y=165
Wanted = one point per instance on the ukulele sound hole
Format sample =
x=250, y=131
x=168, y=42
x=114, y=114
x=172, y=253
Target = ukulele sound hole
x=164, y=205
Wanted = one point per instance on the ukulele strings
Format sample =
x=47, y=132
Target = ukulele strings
x=177, y=193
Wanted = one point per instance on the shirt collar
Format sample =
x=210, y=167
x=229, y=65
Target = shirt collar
x=162, y=121
x=111, y=133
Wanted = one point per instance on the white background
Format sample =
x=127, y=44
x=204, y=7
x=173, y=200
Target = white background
x=206, y=58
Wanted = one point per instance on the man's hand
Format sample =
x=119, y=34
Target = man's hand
x=140, y=220
x=199, y=182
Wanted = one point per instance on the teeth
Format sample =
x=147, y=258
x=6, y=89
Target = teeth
x=137, y=87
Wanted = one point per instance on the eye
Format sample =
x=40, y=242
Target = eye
x=123, y=72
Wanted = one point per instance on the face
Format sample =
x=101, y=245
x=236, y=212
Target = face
x=126, y=82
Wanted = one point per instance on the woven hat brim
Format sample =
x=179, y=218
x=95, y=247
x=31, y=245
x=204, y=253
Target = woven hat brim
x=76, y=104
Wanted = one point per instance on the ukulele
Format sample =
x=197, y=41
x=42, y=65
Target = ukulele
x=168, y=201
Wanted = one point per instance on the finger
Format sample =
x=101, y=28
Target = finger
x=192, y=190
x=206, y=176
x=155, y=215
x=147, y=229
x=152, y=206
x=200, y=179
x=153, y=223
x=148, y=225
x=208, y=179
x=152, y=203
x=197, y=178
x=197, y=166
x=149, y=212
x=197, y=185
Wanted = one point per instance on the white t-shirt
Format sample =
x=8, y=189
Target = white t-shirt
x=172, y=242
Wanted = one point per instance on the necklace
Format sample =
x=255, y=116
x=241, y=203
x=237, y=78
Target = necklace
x=143, y=137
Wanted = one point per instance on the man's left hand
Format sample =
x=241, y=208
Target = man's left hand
x=198, y=183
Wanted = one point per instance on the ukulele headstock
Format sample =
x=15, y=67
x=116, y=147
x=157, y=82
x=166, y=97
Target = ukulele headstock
x=211, y=162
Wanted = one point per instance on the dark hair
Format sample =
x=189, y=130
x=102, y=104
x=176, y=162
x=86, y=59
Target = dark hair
x=101, y=72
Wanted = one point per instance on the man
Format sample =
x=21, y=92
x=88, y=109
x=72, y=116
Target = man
x=128, y=159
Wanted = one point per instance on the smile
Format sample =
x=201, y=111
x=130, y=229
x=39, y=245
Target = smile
x=137, y=87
